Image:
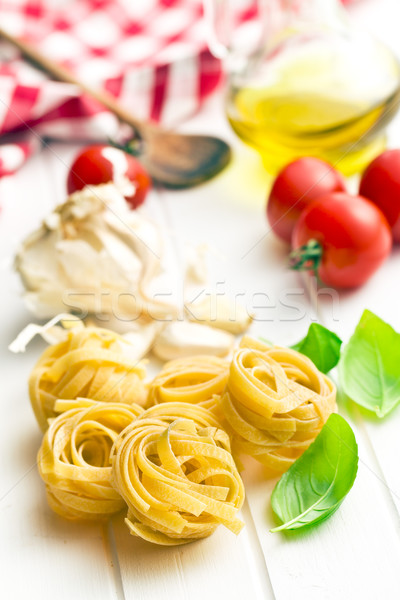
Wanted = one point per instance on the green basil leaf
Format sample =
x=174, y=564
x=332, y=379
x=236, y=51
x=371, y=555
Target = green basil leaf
x=317, y=483
x=369, y=368
x=322, y=346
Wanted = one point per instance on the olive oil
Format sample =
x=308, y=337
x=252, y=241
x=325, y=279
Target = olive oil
x=321, y=102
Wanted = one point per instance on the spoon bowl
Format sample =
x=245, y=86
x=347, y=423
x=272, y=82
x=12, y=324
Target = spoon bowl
x=179, y=161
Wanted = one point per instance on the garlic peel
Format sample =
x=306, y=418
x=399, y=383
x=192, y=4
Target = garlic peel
x=49, y=332
x=134, y=344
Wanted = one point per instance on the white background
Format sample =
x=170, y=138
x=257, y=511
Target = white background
x=355, y=554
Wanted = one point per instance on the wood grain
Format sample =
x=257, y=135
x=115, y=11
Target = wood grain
x=355, y=554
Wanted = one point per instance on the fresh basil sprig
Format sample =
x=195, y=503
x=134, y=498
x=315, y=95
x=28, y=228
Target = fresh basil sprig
x=322, y=346
x=369, y=369
x=317, y=483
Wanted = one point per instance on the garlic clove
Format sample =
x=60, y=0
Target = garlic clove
x=220, y=312
x=182, y=338
x=141, y=336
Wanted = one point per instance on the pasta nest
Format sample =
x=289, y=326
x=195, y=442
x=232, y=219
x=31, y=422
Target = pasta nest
x=176, y=473
x=74, y=458
x=275, y=404
x=93, y=363
x=193, y=379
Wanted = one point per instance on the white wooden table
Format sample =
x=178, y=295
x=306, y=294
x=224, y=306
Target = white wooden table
x=355, y=554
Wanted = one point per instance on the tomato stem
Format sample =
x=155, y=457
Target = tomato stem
x=307, y=257
x=133, y=146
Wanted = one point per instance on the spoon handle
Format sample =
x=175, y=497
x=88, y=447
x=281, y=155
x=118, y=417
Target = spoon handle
x=62, y=74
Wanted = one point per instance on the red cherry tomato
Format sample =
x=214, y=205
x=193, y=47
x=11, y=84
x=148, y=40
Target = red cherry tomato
x=353, y=239
x=102, y=164
x=298, y=184
x=381, y=184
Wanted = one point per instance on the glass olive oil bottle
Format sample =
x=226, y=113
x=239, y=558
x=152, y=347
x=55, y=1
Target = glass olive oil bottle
x=325, y=98
x=305, y=82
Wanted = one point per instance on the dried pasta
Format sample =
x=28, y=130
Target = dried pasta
x=74, y=458
x=92, y=362
x=175, y=472
x=275, y=404
x=195, y=379
x=170, y=411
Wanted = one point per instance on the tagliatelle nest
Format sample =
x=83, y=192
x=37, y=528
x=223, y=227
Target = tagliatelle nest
x=177, y=475
x=275, y=404
x=74, y=458
x=91, y=362
x=195, y=379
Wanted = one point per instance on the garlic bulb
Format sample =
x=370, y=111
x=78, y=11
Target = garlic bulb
x=92, y=254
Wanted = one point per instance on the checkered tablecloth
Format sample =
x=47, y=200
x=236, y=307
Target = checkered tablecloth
x=151, y=54
x=148, y=53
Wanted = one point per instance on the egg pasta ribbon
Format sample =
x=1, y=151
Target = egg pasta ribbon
x=91, y=362
x=74, y=458
x=275, y=404
x=194, y=379
x=176, y=473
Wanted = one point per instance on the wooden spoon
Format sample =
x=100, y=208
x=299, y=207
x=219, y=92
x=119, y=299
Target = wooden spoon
x=173, y=159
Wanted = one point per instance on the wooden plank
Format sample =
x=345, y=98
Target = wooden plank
x=338, y=558
x=45, y=556
x=245, y=260
x=382, y=298
x=354, y=554
x=342, y=556
x=221, y=565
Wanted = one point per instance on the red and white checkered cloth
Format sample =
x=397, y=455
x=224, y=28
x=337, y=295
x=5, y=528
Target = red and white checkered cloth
x=148, y=53
x=151, y=54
